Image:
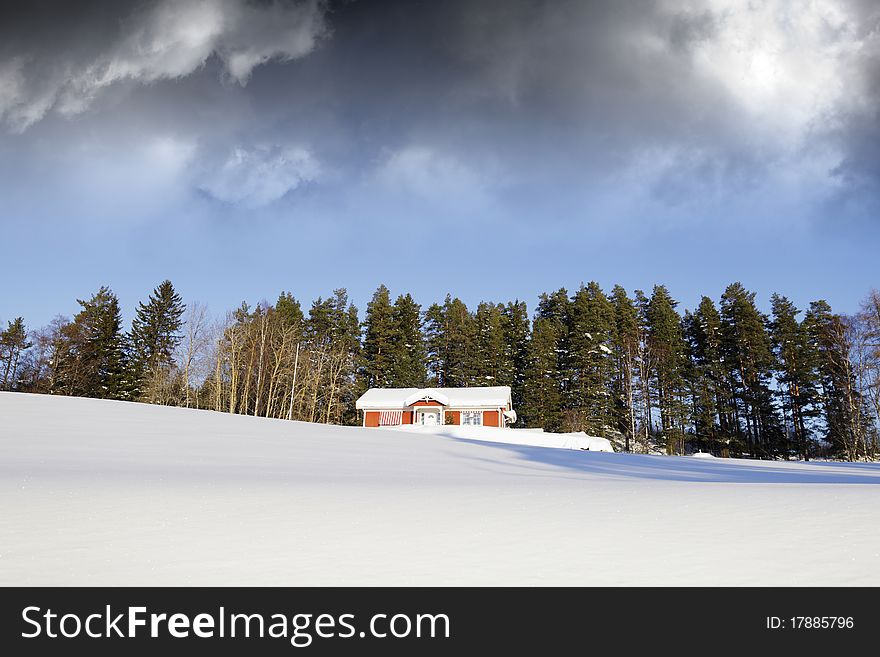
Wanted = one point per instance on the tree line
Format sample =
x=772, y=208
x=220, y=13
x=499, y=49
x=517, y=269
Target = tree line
x=723, y=378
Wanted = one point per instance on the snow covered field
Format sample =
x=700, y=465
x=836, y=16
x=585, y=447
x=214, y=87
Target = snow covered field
x=97, y=492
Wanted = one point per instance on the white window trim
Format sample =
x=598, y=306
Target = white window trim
x=472, y=413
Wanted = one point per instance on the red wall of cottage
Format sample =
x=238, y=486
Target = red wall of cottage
x=490, y=418
x=372, y=418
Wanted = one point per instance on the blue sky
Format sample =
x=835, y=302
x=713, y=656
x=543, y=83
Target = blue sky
x=491, y=150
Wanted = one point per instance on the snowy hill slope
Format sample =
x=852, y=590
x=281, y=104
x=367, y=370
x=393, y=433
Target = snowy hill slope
x=97, y=492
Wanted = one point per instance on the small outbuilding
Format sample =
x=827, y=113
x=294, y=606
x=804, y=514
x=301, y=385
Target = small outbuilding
x=486, y=406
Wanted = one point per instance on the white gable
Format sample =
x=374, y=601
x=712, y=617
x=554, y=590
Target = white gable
x=394, y=398
x=427, y=394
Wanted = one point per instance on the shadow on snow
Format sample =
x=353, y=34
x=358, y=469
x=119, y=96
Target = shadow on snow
x=685, y=468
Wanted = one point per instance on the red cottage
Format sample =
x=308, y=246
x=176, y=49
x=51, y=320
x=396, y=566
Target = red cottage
x=488, y=406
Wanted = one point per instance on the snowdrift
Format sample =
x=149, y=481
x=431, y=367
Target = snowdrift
x=533, y=437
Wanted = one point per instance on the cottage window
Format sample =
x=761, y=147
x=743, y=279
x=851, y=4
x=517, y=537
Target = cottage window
x=472, y=418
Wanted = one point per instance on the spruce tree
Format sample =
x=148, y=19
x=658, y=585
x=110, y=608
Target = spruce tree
x=515, y=326
x=450, y=337
x=409, y=367
x=589, y=361
x=491, y=365
x=333, y=331
x=155, y=335
x=461, y=329
x=556, y=307
x=379, y=345
x=435, y=343
x=93, y=362
x=289, y=311
x=542, y=399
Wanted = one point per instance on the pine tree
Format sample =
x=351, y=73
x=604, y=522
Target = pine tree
x=747, y=352
x=667, y=346
x=645, y=363
x=625, y=348
x=13, y=343
x=842, y=403
x=155, y=335
x=711, y=416
x=796, y=365
x=409, y=368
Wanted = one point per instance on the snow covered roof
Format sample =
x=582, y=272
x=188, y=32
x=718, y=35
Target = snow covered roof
x=394, y=398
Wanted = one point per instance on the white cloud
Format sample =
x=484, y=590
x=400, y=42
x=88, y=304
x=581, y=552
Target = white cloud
x=428, y=173
x=169, y=40
x=258, y=176
x=786, y=63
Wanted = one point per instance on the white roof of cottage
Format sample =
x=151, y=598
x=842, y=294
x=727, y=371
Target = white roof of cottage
x=395, y=398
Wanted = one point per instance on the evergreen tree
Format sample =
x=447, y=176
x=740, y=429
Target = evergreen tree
x=711, y=417
x=589, y=362
x=542, y=400
x=556, y=307
x=379, y=354
x=289, y=311
x=93, y=362
x=668, y=349
x=409, y=368
x=645, y=363
x=155, y=335
x=490, y=363
x=841, y=401
x=450, y=337
x=625, y=348
x=747, y=352
x=435, y=342
x=461, y=334
x=515, y=326
x=13, y=343
x=796, y=366
x=333, y=332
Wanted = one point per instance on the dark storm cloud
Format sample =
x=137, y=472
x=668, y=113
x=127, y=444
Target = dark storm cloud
x=62, y=62
x=669, y=101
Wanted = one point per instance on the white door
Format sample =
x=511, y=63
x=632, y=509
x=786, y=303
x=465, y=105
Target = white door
x=430, y=418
